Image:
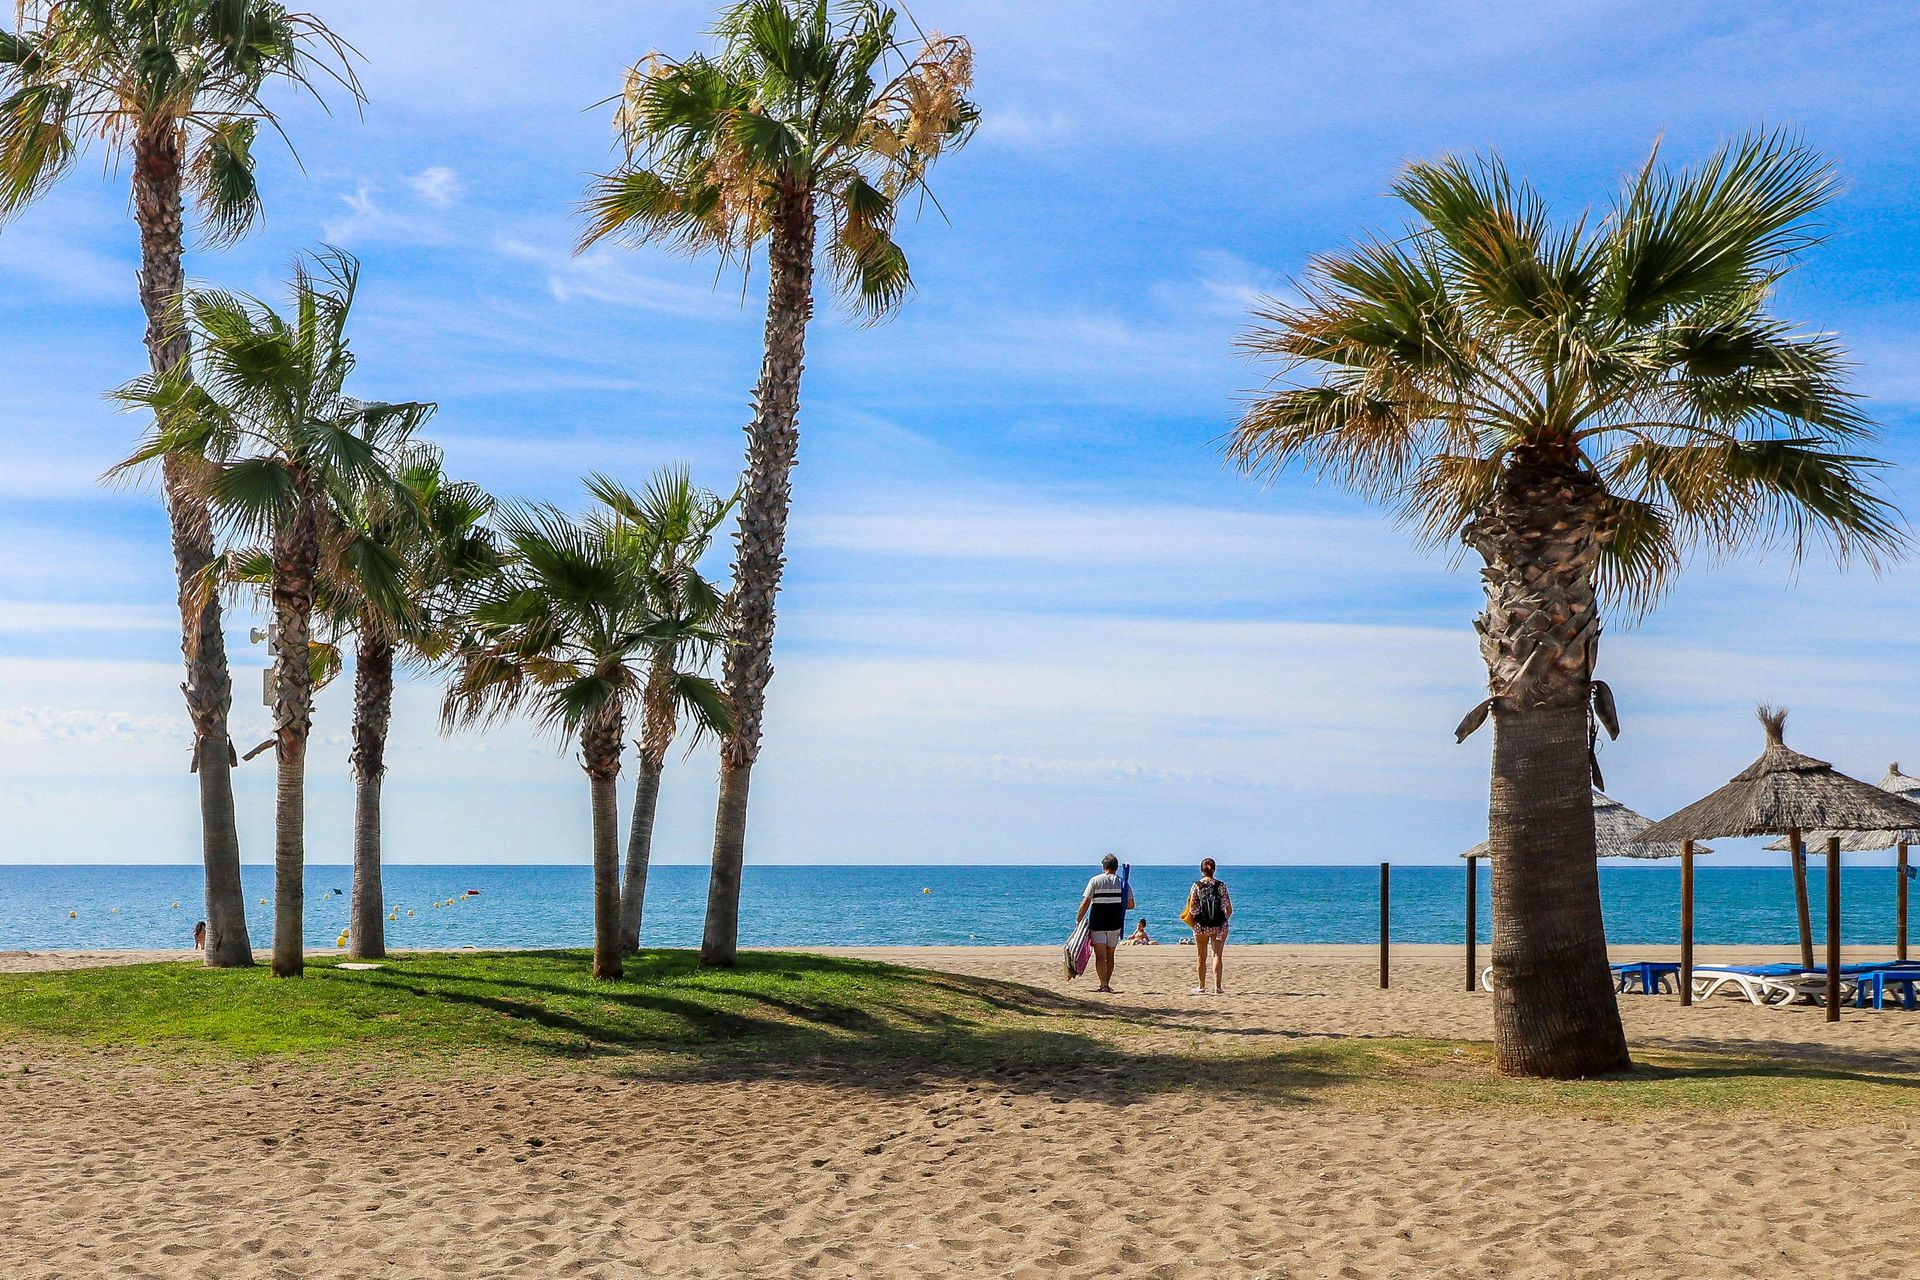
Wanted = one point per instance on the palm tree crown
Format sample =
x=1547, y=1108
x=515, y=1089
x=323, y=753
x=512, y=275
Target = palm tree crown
x=121, y=69
x=1639, y=351
x=806, y=100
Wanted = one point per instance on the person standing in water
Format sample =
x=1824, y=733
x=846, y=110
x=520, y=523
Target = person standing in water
x=1104, y=907
x=1208, y=910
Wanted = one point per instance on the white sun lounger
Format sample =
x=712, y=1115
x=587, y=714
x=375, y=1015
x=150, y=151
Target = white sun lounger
x=1766, y=989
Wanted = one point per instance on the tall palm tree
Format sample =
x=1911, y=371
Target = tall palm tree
x=564, y=633
x=667, y=529
x=807, y=108
x=264, y=417
x=176, y=87
x=1584, y=405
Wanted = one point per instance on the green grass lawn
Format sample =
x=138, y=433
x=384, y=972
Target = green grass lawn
x=784, y=1013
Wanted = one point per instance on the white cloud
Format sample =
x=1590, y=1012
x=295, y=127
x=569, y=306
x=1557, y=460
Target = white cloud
x=437, y=185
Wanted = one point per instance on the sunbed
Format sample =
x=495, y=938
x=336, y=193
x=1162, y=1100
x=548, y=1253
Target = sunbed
x=1764, y=984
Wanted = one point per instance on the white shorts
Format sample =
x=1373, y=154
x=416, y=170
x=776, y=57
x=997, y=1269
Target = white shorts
x=1104, y=937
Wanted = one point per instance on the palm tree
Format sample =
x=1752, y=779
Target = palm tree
x=175, y=86
x=565, y=632
x=439, y=540
x=435, y=535
x=263, y=415
x=667, y=529
x=1584, y=406
x=807, y=108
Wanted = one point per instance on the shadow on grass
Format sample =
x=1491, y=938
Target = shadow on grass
x=876, y=1027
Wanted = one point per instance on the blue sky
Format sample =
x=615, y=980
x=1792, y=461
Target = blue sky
x=1030, y=615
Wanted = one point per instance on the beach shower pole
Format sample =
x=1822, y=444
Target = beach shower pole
x=1383, y=926
x=1833, y=928
x=1473, y=923
x=1900, y=905
x=1686, y=922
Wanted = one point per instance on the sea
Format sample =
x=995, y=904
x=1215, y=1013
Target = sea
x=47, y=907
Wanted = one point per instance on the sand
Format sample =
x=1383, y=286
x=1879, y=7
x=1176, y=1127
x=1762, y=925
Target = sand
x=114, y=1168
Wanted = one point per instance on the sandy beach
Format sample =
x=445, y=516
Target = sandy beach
x=123, y=1164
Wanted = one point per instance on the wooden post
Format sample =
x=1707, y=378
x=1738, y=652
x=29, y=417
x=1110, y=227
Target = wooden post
x=1383, y=926
x=1900, y=905
x=1473, y=923
x=1833, y=928
x=1686, y=922
x=1800, y=897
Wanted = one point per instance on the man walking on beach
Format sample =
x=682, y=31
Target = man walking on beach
x=1104, y=907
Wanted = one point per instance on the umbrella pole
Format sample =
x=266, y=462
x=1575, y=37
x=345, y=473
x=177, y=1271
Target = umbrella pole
x=1833, y=928
x=1686, y=922
x=1383, y=926
x=1473, y=922
x=1800, y=897
x=1900, y=908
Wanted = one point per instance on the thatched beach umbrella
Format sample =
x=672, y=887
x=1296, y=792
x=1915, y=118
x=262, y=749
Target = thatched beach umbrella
x=1616, y=831
x=1782, y=793
x=1900, y=784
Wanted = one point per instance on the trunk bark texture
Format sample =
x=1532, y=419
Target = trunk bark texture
x=296, y=556
x=208, y=687
x=600, y=753
x=773, y=441
x=1554, y=1008
x=372, y=712
x=656, y=735
x=633, y=894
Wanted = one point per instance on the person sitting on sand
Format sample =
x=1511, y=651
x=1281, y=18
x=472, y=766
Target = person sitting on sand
x=1208, y=910
x=1139, y=938
x=1104, y=907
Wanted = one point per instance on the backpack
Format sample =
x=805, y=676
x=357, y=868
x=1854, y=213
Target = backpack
x=1208, y=913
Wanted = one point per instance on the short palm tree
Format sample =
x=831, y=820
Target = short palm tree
x=1583, y=405
x=565, y=633
x=436, y=538
x=667, y=528
x=263, y=416
x=807, y=109
x=174, y=86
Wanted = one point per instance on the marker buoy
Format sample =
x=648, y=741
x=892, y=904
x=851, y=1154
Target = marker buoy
x=73, y=915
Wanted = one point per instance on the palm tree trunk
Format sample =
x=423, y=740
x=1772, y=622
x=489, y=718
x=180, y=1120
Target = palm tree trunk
x=633, y=894
x=208, y=687
x=295, y=562
x=1554, y=1008
x=600, y=752
x=773, y=442
x=372, y=712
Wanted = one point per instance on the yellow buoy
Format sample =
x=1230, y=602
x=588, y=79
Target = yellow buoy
x=73, y=915
x=409, y=912
x=926, y=891
x=176, y=906
x=340, y=941
x=393, y=915
x=263, y=902
x=116, y=911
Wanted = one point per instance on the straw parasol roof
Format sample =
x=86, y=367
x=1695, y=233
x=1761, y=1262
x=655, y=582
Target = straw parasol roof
x=1615, y=828
x=1865, y=841
x=1783, y=791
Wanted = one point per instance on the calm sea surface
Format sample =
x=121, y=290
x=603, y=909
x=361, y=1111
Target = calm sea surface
x=879, y=906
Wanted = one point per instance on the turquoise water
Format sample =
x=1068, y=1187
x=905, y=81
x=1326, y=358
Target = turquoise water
x=879, y=906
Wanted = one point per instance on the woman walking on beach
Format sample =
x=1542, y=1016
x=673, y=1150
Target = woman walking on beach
x=1208, y=909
